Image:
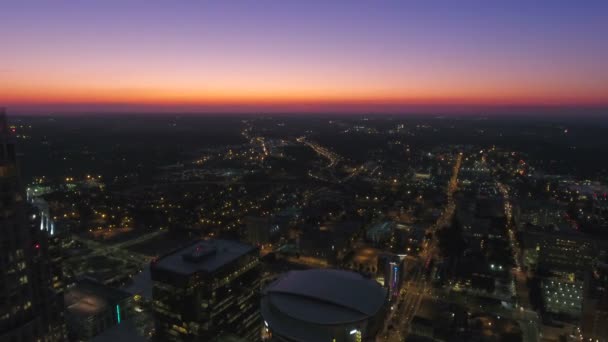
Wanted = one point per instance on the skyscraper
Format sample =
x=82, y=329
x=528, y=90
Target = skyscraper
x=30, y=309
x=207, y=289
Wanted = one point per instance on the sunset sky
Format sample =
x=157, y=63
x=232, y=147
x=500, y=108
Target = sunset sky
x=317, y=56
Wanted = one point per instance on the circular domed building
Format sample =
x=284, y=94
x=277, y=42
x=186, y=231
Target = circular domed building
x=323, y=305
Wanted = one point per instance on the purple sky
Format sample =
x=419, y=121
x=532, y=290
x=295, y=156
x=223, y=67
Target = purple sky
x=301, y=55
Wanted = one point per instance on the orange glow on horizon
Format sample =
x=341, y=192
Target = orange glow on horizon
x=216, y=97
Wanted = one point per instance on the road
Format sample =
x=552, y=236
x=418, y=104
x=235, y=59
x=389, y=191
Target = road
x=118, y=250
x=528, y=319
x=329, y=155
x=417, y=285
x=333, y=158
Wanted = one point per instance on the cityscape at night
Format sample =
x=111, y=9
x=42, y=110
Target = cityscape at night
x=304, y=171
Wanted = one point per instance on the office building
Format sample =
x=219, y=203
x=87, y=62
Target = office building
x=206, y=290
x=557, y=252
x=392, y=275
x=438, y=321
x=30, y=308
x=594, y=319
x=261, y=230
x=329, y=243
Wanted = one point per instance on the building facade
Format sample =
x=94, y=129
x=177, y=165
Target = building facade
x=206, y=290
x=92, y=308
x=558, y=253
x=595, y=304
x=31, y=309
x=261, y=230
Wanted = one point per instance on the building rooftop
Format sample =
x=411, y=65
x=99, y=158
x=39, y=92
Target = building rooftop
x=382, y=227
x=89, y=298
x=367, y=256
x=302, y=304
x=86, y=304
x=203, y=256
x=142, y=284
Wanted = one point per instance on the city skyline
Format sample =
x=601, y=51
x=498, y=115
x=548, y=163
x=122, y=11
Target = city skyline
x=315, y=171
x=303, y=57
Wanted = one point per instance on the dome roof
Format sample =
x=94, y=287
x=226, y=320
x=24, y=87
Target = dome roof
x=299, y=301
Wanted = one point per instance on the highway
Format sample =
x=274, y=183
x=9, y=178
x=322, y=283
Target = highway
x=416, y=286
x=322, y=151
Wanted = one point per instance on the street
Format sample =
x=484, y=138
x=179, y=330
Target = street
x=416, y=286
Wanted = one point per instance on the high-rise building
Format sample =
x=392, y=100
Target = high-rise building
x=30, y=308
x=206, y=290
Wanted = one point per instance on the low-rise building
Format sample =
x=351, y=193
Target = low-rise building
x=562, y=296
x=92, y=308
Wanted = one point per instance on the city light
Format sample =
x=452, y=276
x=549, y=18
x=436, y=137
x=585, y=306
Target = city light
x=422, y=171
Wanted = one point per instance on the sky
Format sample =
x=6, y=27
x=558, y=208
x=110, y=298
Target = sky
x=301, y=56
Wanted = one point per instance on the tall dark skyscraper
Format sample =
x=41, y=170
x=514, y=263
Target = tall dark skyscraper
x=30, y=308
